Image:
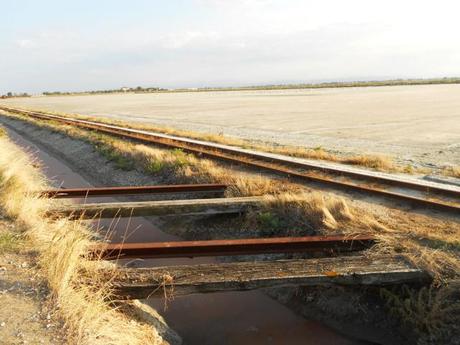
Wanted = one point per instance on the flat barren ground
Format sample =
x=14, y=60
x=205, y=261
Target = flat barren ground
x=413, y=123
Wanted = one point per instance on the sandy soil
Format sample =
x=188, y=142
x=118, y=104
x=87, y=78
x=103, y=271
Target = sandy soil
x=418, y=124
x=26, y=317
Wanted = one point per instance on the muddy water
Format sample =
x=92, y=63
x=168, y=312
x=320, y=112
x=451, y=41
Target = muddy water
x=250, y=318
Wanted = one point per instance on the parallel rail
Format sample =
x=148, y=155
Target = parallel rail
x=251, y=246
x=139, y=283
x=286, y=166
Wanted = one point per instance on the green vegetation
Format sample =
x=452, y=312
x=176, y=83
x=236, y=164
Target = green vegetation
x=137, y=89
x=432, y=313
x=269, y=222
x=11, y=95
x=181, y=157
x=392, y=82
x=121, y=161
x=154, y=166
x=9, y=242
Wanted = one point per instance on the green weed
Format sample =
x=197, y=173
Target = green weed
x=154, y=167
x=9, y=242
x=269, y=220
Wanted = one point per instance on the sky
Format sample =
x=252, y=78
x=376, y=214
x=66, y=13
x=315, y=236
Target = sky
x=52, y=45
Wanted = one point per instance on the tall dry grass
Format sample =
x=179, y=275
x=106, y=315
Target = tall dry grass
x=61, y=245
x=453, y=171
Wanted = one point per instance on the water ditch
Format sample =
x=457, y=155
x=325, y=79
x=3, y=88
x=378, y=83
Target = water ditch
x=219, y=318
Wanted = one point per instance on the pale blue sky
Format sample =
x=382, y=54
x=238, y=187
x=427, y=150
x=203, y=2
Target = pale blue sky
x=83, y=45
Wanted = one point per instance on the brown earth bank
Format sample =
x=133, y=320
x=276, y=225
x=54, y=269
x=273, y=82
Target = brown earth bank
x=334, y=306
x=58, y=247
x=27, y=315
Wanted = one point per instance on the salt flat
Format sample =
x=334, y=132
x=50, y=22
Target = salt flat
x=413, y=123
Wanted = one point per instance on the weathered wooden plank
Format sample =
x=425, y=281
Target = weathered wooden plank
x=156, y=208
x=129, y=283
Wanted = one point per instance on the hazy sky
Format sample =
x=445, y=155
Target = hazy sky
x=82, y=45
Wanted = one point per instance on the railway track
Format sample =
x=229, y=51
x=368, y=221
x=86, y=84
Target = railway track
x=334, y=259
x=422, y=194
x=248, y=246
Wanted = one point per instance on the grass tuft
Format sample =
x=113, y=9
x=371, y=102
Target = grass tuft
x=452, y=171
x=9, y=242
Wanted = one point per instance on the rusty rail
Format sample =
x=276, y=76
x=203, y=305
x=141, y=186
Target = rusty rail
x=131, y=190
x=250, y=246
x=271, y=164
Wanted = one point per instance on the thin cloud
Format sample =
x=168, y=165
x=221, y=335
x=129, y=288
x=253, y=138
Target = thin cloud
x=24, y=43
x=246, y=42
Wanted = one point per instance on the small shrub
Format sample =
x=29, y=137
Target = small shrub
x=111, y=154
x=269, y=220
x=123, y=163
x=408, y=169
x=154, y=167
x=9, y=242
x=452, y=171
x=432, y=313
x=181, y=158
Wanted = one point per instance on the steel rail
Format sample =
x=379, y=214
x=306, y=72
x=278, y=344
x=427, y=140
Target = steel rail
x=250, y=246
x=236, y=156
x=274, y=158
x=131, y=190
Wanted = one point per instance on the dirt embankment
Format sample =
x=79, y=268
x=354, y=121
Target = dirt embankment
x=26, y=315
x=58, y=248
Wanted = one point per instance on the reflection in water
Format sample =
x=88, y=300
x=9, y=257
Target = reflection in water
x=220, y=318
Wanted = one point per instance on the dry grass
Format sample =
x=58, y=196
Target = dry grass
x=452, y=171
x=60, y=246
x=375, y=162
